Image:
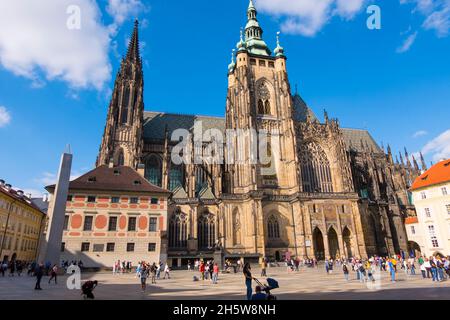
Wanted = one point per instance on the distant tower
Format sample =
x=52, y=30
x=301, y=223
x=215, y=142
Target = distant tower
x=122, y=138
x=51, y=249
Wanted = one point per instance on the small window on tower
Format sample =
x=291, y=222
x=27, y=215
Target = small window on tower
x=253, y=62
x=271, y=64
x=262, y=63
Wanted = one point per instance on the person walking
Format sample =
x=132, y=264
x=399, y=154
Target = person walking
x=211, y=269
x=423, y=270
x=345, y=270
x=201, y=268
x=427, y=265
x=53, y=274
x=248, y=280
x=440, y=269
x=392, y=269
x=189, y=265
x=153, y=273
x=158, y=270
x=143, y=275
x=166, y=271
x=434, y=273
x=39, y=273
x=215, y=273
x=263, y=267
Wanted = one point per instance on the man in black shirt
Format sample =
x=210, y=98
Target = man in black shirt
x=248, y=280
x=39, y=272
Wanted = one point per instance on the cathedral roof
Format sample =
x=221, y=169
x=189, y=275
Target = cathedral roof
x=437, y=174
x=301, y=111
x=155, y=124
x=353, y=139
x=122, y=178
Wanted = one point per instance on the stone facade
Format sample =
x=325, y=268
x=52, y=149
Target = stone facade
x=21, y=225
x=331, y=191
x=113, y=213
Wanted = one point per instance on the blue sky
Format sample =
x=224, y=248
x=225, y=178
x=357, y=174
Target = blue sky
x=55, y=83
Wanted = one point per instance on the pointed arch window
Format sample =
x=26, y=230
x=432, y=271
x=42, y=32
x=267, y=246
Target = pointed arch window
x=153, y=170
x=263, y=99
x=178, y=231
x=273, y=228
x=125, y=104
x=176, y=177
x=206, y=231
x=121, y=158
x=315, y=169
x=236, y=228
x=201, y=178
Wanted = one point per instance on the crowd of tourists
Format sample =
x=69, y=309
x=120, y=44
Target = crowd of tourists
x=436, y=268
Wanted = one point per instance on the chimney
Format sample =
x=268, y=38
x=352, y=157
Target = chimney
x=2, y=183
x=29, y=195
x=111, y=163
x=45, y=197
x=141, y=170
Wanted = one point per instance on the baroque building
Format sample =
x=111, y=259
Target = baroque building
x=323, y=191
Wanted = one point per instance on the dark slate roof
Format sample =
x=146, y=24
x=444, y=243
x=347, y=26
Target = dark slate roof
x=121, y=178
x=17, y=197
x=353, y=138
x=301, y=111
x=156, y=122
x=41, y=203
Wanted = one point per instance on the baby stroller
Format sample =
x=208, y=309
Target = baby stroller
x=271, y=284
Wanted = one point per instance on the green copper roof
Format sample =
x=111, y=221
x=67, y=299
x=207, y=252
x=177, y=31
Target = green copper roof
x=253, y=33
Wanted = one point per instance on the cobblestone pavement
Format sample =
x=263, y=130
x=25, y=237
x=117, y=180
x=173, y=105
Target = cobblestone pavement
x=303, y=285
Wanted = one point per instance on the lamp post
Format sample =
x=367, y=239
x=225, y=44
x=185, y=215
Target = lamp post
x=6, y=227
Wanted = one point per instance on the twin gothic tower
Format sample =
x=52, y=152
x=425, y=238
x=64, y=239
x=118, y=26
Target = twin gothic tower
x=323, y=191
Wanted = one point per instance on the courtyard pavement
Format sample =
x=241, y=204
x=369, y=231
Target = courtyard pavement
x=306, y=284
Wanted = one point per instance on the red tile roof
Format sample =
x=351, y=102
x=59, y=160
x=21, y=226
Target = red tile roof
x=411, y=220
x=437, y=174
x=122, y=178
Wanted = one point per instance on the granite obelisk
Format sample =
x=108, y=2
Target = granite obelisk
x=51, y=248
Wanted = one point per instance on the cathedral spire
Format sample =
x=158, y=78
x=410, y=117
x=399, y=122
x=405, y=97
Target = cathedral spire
x=253, y=33
x=133, y=54
x=389, y=153
x=422, y=160
x=416, y=165
x=408, y=162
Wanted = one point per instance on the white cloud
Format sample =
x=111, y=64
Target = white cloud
x=439, y=147
x=34, y=192
x=5, y=117
x=307, y=17
x=439, y=21
x=407, y=43
x=420, y=133
x=436, y=13
x=48, y=178
x=36, y=43
x=121, y=10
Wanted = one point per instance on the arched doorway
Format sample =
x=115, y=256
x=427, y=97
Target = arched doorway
x=347, y=237
x=333, y=243
x=414, y=249
x=277, y=256
x=319, y=248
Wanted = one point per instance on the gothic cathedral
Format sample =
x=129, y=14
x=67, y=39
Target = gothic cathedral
x=326, y=191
